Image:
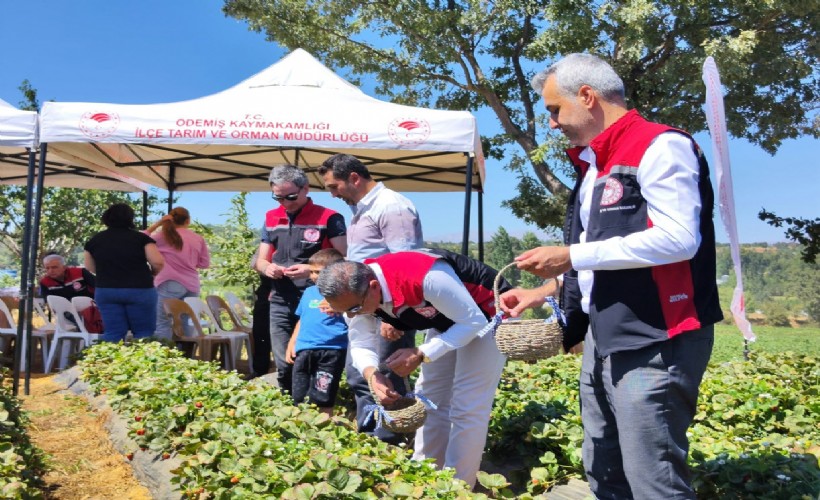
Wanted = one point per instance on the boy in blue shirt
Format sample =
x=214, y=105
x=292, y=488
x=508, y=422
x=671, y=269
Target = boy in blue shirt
x=318, y=346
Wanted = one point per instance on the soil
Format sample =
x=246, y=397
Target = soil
x=83, y=463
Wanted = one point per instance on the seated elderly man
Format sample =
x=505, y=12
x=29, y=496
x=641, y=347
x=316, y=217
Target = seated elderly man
x=65, y=281
x=450, y=296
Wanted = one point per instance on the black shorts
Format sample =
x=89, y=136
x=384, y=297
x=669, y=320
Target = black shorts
x=316, y=375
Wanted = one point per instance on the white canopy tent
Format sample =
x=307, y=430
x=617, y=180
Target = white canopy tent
x=296, y=111
x=18, y=138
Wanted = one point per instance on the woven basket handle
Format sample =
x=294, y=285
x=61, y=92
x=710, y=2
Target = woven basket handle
x=497, y=283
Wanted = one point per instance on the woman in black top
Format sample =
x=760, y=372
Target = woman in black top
x=125, y=262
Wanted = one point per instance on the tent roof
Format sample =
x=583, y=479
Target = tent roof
x=296, y=111
x=18, y=134
x=18, y=128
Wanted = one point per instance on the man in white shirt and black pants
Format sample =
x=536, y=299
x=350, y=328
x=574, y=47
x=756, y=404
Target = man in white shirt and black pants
x=640, y=235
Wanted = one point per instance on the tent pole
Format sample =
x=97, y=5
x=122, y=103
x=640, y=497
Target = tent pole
x=468, y=194
x=171, y=184
x=481, y=226
x=24, y=264
x=145, y=210
x=35, y=247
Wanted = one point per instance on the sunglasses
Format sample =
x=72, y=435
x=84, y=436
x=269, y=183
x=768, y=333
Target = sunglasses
x=289, y=197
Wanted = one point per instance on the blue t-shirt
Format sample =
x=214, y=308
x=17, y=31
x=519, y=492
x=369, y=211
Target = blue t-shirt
x=318, y=330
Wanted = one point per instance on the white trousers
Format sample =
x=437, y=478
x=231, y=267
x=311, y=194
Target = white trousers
x=462, y=383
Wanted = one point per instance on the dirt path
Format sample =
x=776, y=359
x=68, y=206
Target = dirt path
x=83, y=463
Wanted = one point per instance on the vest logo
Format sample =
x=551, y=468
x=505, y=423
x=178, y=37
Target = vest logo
x=99, y=125
x=77, y=285
x=408, y=131
x=428, y=311
x=312, y=235
x=613, y=192
x=678, y=297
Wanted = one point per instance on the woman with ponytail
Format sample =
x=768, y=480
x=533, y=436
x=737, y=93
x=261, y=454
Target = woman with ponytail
x=185, y=253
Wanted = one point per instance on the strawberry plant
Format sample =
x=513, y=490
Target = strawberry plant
x=21, y=463
x=756, y=433
x=238, y=439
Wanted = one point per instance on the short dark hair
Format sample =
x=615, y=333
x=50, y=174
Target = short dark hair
x=325, y=257
x=342, y=166
x=119, y=215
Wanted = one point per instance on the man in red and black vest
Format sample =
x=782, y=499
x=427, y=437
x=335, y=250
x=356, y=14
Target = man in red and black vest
x=292, y=232
x=639, y=282
x=65, y=281
x=450, y=296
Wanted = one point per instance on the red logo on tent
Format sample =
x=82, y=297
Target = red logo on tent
x=408, y=131
x=99, y=125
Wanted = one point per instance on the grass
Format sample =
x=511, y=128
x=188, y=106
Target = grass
x=771, y=339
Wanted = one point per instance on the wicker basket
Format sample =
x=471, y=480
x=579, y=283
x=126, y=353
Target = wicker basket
x=525, y=340
x=406, y=414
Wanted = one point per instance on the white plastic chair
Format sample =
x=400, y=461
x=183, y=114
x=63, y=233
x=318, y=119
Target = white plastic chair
x=76, y=336
x=242, y=312
x=40, y=312
x=39, y=336
x=206, y=318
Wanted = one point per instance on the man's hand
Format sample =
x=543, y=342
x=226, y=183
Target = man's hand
x=515, y=301
x=274, y=272
x=390, y=332
x=381, y=386
x=404, y=361
x=546, y=262
x=297, y=271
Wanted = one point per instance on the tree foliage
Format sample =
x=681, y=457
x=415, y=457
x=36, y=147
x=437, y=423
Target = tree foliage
x=471, y=55
x=232, y=246
x=803, y=231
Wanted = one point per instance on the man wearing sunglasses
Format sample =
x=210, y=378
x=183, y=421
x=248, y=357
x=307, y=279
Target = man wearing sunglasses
x=450, y=296
x=292, y=232
x=383, y=222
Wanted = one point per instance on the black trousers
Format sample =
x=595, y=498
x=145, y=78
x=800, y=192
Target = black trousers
x=261, y=328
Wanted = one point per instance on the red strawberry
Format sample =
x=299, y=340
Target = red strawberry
x=130, y=456
x=198, y=404
x=140, y=432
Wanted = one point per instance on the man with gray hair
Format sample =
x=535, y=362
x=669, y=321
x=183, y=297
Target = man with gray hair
x=65, y=281
x=383, y=222
x=639, y=280
x=292, y=232
x=450, y=296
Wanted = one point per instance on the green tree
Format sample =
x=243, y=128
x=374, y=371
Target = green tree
x=232, y=247
x=501, y=251
x=528, y=242
x=470, y=55
x=803, y=231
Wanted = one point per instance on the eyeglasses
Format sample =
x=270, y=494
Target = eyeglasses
x=356, y=309
x=289, y=197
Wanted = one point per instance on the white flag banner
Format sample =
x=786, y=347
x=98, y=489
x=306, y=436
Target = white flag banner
x=716, y=118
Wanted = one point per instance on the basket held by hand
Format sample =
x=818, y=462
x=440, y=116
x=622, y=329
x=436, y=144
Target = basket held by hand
x=527, y=340
x=405, y=415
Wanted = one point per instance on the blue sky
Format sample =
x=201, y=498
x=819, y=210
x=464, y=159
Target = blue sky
x=163, y=51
